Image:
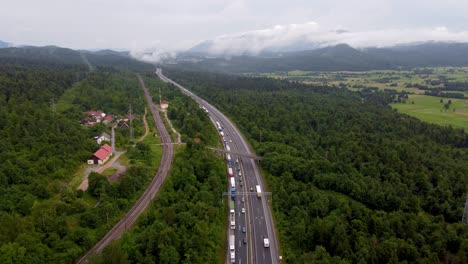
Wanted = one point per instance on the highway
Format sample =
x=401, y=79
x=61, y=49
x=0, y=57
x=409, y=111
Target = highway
x=148, y=195
x=257, y=217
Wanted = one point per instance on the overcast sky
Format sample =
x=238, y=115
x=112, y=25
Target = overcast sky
x=180, y=24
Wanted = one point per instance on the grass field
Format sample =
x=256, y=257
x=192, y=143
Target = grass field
x=382, y=79
x=429, y=109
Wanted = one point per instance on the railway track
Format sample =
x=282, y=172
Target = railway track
x=148, y=195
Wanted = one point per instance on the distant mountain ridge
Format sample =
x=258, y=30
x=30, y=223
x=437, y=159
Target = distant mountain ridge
x=4, y=44
x=31, y=55
x=335, y=58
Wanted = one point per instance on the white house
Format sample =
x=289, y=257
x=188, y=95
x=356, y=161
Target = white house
x=103, y=137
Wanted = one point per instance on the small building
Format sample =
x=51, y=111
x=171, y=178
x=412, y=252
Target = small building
x=127, y=118
x=93, y=117
x=101, y=155
x=96, y=114
x=103, y=137
x=107, y=119
x=164, y=104
x=122, y=124
x=197, y=140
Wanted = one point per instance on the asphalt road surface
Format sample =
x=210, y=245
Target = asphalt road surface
x=145, y=199
x=257, y=218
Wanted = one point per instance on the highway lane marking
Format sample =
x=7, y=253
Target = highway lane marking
x=216, y=112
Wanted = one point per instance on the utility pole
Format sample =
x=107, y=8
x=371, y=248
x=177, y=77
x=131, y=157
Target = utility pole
x=465, y=212
x=52, y=105
x=54, y=112
x=131, y=122
x=160, y=96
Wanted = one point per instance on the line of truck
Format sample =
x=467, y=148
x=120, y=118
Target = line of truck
x=232, y=215
x=232, y=212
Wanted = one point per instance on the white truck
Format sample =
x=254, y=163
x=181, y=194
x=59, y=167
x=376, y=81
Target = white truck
x=233, y=221
x=233, y=182
x=232, y=243
x=266, y=242
x=259, y=191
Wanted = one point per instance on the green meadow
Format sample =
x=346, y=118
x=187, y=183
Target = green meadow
x=431, y=110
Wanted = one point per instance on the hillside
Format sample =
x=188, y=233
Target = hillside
x=31, y=55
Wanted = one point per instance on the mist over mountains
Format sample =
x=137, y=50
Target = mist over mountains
x=300, y=55
x=341, y=57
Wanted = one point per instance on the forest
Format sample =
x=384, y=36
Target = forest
x=352, y=181
x=43, y=218
x=186, y=221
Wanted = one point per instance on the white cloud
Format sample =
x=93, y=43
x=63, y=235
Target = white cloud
x=311, y=35
x=152, y=55
x=179, y=24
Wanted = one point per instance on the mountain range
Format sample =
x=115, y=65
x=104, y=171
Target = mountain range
x=31, y=55
x=340, y=57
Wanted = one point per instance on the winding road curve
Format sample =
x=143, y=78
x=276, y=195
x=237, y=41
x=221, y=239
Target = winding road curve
x=166, y=161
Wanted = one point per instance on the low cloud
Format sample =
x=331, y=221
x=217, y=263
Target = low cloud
x=293, y=37
x=311, y=35
x=152, y=55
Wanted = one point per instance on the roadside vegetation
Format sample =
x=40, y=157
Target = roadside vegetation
x=185, y=222
x=352, y=180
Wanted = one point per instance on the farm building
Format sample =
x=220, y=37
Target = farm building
x=101, y=155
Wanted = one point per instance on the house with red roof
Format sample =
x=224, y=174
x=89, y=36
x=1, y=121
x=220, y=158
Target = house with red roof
x=107, y=119
x=101, y=155
x=97, y=114
x=93, y=117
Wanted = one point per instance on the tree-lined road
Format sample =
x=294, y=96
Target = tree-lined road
x=166, y=161
x=258, y=215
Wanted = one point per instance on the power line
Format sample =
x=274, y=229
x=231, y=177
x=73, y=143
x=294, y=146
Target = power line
x=465, y=212
x=54, y=112
x=131, y=122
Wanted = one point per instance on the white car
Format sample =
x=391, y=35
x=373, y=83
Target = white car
x=230, y=141
x=243, y=210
